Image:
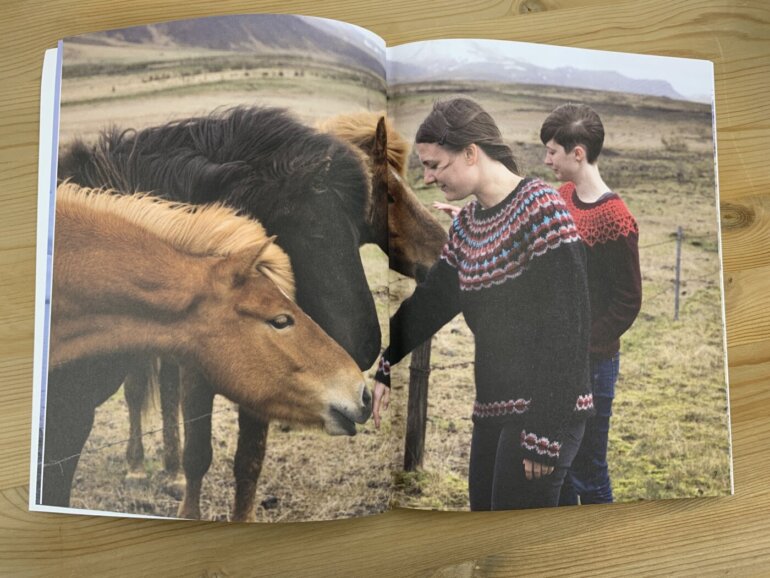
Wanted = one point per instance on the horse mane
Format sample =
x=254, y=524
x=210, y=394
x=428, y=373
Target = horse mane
x=200, y=230
x=261, y=160
x=359, y=129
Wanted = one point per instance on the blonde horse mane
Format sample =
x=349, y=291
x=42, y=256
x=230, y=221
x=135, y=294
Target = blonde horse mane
x=200, y=230
x=359, y=129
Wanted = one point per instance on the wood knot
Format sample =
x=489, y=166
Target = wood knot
x=527, y=6
x=736, y=216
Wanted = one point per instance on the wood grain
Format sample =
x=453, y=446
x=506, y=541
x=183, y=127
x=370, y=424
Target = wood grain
x=708, y=536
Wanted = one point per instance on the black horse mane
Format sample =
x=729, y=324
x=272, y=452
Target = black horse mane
x=259, y=160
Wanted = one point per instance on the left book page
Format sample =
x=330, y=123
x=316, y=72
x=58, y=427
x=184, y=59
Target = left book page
x=191, y=361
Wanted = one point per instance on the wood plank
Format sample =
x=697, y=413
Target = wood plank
x=671, y=537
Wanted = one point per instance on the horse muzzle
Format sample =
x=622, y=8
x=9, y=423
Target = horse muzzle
x=341, y=418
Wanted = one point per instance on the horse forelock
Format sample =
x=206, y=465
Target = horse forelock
x=201, y=230
x=359, y=129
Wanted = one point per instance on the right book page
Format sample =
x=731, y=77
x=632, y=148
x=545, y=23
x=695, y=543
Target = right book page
x=669, y=431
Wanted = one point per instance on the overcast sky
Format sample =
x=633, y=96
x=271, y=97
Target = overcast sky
x=690, y=78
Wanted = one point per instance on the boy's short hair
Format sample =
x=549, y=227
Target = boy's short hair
x=575, y=124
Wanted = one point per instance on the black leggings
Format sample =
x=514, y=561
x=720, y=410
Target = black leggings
x=496, y=479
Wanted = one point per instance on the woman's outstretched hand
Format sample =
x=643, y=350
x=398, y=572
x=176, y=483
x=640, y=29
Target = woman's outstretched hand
x=381, y=401
x=450, y=210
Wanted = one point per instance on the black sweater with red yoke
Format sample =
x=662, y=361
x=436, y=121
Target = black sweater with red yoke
x=517, y=272
x=611, y=238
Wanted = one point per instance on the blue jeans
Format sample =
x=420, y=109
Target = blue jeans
x=589, y=478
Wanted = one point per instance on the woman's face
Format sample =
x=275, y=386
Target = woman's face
x=448, y=170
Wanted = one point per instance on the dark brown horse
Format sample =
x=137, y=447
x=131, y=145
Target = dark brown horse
x=395, y=220
x=134, y=274
x=398, y=223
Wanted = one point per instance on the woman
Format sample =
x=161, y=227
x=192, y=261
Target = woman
x=515, y=267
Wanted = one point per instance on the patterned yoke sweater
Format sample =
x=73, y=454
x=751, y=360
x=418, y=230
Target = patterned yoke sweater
x=611, y=238
x=517, y=273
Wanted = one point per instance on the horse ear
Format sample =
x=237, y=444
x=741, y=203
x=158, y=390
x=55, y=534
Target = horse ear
x=244, y=263
x=239, y=266
x=380, y=148
x=265, y=246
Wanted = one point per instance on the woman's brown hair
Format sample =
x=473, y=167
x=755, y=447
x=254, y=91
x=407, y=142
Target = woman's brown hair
x=458, y=122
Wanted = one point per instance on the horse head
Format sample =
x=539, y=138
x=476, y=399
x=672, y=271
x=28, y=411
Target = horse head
x=397, y=222
x=272, y=359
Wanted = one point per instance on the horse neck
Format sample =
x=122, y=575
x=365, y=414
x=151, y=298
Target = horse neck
x=117, y=288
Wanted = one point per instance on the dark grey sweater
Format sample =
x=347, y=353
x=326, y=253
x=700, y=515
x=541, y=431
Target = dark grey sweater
x=517, y=273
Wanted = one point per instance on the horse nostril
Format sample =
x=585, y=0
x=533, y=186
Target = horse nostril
x=366, y=397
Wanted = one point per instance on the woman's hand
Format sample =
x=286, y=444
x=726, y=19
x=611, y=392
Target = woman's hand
x=450, y=210
x=534, y=470
x=381, y=401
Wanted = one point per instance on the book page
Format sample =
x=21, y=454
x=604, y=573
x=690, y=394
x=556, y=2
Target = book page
x=234, y=103
x=669, y=434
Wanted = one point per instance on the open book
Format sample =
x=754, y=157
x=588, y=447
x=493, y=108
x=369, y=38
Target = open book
x=301, y=129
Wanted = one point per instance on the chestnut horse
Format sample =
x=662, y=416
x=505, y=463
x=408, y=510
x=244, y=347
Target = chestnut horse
x=134, y=274
x=398, y=222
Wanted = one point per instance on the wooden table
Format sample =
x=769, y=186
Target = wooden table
x=713, y=536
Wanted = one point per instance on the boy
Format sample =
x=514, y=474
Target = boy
x=573, y=136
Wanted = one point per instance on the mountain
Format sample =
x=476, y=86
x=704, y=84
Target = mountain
x=277, y=33
x=486, y=67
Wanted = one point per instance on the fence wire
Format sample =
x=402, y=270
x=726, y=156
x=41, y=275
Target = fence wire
x=105, y=446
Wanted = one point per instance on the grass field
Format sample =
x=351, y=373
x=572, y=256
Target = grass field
x=669, y=436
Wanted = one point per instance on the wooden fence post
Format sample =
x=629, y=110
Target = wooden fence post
x=679, y=235
x=417, y=407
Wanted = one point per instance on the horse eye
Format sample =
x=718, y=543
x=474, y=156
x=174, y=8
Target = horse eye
x=282, y=321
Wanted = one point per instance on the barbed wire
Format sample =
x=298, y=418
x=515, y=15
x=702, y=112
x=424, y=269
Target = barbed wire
x=59, y=463
x=706, y=275
x=656, y=244
x=701, y=236
x=685, y=237
x=669, y=289
x=453, y=365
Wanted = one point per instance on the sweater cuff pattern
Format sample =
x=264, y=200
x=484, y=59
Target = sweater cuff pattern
x=498, y=408
x=383, y=371
x=541, y=446
x=585, y=403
